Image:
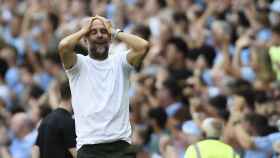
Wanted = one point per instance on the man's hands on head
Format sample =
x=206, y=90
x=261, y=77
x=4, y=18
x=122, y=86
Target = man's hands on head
x=86, y=24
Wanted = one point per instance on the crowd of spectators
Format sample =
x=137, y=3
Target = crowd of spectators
x=210, y=61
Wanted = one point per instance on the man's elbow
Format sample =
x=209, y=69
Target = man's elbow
x=145, y=47
x=62, y=46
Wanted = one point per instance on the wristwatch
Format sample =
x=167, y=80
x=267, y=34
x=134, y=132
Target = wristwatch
x=115, y=33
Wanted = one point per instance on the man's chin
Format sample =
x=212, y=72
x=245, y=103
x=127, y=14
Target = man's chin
x=101, y=50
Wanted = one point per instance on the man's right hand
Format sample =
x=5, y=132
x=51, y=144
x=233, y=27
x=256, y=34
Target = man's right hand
x=86, y=25
x=67, y=44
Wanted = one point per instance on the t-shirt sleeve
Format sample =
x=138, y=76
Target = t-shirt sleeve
x=262, y=143
x=68, y=133
x=124, y=62
x=76, y=68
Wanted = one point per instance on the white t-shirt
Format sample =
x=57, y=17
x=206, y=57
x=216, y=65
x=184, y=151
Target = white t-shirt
x=100, y=99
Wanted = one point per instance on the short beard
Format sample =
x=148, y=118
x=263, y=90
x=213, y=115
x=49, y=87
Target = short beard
x=99, y=52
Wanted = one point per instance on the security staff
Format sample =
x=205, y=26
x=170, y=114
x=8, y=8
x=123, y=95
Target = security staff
x=212, y=146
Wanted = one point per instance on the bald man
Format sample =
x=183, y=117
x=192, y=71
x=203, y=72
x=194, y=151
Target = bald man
x=99, y=84
x=22, y=136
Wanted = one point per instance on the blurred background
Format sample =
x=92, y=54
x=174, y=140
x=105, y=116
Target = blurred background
x=213, y=70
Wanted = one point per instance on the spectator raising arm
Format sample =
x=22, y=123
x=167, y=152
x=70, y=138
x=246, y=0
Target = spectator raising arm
x=243, y=137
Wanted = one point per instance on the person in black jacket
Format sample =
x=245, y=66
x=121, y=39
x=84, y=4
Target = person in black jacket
x=56, y=134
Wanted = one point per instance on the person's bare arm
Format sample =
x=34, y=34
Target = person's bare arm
x=67, y=44
x=227, y=63
x=35, y=152
x=243, y=137
x=73, y=152
x=138, y=45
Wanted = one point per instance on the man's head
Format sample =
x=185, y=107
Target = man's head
x=99, y=38
x=212, y=127
x=158, y=117
x=177, y=49
x=21, y=125
x=220, y=30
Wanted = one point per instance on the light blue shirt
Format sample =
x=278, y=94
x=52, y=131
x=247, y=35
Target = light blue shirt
x=21, y=148
x=263, y=146
x=172, y=109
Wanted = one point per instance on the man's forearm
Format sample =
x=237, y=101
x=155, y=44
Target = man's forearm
x=134, y=42
x=244, y=139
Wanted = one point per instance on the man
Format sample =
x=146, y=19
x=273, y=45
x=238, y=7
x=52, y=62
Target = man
x=212, y=146
x=22, y=137
x=56, y=133
x=255, y=136
x=99, y=84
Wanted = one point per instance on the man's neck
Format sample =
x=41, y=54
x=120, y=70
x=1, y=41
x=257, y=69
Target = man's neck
x=66, y=106
x=98, y=57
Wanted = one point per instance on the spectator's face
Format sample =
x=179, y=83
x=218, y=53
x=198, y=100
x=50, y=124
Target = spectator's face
x=171, y=54
x=275, y=38
x=217, y=33
x=26, y=77
x=98, y=39
x=274, y=18
x=77, y=7
x=15, y=26
x=46, y=25
x=17, y=124
x=164, y=97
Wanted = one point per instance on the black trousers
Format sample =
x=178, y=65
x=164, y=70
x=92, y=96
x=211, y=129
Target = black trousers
x=118, y=149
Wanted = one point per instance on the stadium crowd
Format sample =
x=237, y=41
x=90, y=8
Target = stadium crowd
x=212, y=71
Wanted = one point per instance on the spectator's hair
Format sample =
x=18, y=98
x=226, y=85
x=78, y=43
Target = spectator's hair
x=65, y=92
x=259, y=123
x=172, y=86
x=276, y=29
x=261, y=96
x=159, y=115
x=225, y=26
x=142, y=31
x=179, y=17
x=36, y=91
x=161, y=3
x=53, y=57
x=3, y=68
x=182, y=114
x=17, y=109
x=245, y=89
x=219, y=102
x=44, y=109
x=27, y=67
x=54, y=20
x=179, y=44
